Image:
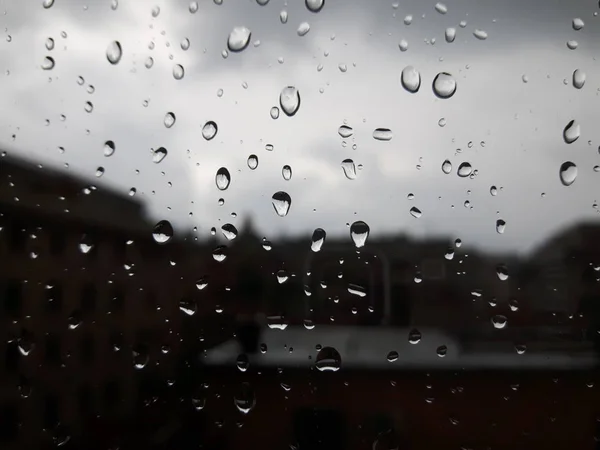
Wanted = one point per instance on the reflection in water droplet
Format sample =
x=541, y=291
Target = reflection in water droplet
x=345, y=131
x=286, y=173
x=178, y=71
x=359, y=232
x=349, y=169
x=415, y=212
x=229, y=231
x=500, y=226
x=314, y=5
x=303, y=28
x=48, y=63
x=222, y=179
x=159, y=154
x=568, y=173
x=244, y=399
x=571, y=132
x=382, y=134
x=578, y=24
x=450, y=34
x=289, y=100
x=328, y=360
x=578, y=78
x=464, y=170
x=219, y=254
x=446, y=167
x=169, y=120
x=410, y=79
x=274, y=113
x=502, y=272
x=162, y=232
x=392, y=356
x=441, y=8
x=114, y=52
x=318, y=239
x=281, y=203
x=480, y=34
x=499, y=321
x=444, y=85
x=238, y=39
x=209, y=130
x=252, y=162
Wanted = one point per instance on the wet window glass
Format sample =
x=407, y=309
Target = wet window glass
x=307, y=224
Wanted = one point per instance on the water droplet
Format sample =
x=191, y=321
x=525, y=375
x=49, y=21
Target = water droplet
x=286, y=172
x=88, y=107
x=442, y=351
x=328, y=360
x=349, y=169
x=109, y=148
x=571, y=132
x=414, y=336
x=114, y=52
x=499, y=321
x=446, y=167
x=392, y=356
x=185, y=44
x=318, y=239
x=244, y=399
x=238, y=39
x=242, y=362
x=169, y=120
x=86, y=244
x=187, y=307
x=500, y=226
x=572, y=45
x=155, y=11
x=281, y=203
x=502, y=272
x=222, y=179
x=345, y=131
x=159, y=154
x=274, y=113
x=578, y=24
x=48, y=63
x=520, y=348
x=193, y=8
x=359, y=233
x=314, y=5
x=568, y=173
x=578, y=78
x=162, y=232
x=178, y=71
x=219, y=254
x=49, y=44
x=262, y=2
x=410, y=79
x=47, y=3
x=408, y=19
x=403, y=45
x=415, y=212
x=493, y=191
x=269, y=147
x=252, y=162
x=209, y=130
x=464, y=170
x=289, y=100
x=450, y=34
x=480, y=34
x=140, y=357
x=149, y=62
x=382, y=134
x=303, y=29
x=99, y=171
x=114, y=4
x=229, y=231
x=444, y=85
x=283, y=16
x=441, y=8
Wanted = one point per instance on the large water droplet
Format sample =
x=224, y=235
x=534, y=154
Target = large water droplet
x=441, y=8
x=450, y=34
x=464, y=170
x=229, y=231
x=500, y=226
x=317, y=240
x=349, y=169
x=169, y=120
x=578, y=78
x=415, y=212
x=410, y=79
x=571, y=132
x=328, y=360
x=578, y=24
x=48, y=63
x=499, y=321
x=109, y=148
x=281, y=203
x=252, y=162
x=114, y=52
x=345, y=131
x=159, y=154
x=414, y=336
x=47, y=3
x=289, y=99
x=238, y=39
x=359, y=233
x=162, y=232
x=178, y=71
x=392, y=356
x=222, y=179
x=283, y=16
x=568, y=173
x=303, y=28
x=315, y=5
x=219, y=254
x=209, y=130
x=502, y=272
x=382, y=134
x=185, y=44
x=286, y=172
x=244, y=399
x=444, y=85
x=480, y=34
x=193, y=8
x=446, y=167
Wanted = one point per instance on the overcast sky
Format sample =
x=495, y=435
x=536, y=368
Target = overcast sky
x=519, y=123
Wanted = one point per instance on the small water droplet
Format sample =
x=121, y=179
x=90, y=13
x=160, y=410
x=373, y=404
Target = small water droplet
x=286, y=172
x=415, y=212
x=480, y=34
x=441, y=8
x=86, y=244
x=303, y=29
x=274, y=113
x=318, y=239
x=289, y=100
x=446, y=167
x=444, y=85
x=155, y=11
x=345, y=131
x=359, y=233
x=49, y=44
x=149, y=62
x=229, y=231
x=414, y=336
x=99, y=171
x=114, y=4
x=269, y=147
x=464, y=170
x=349, y=169
x=283, y=16
x=178, y=71
x=578, y=24
x=114, y=52
x=252, y=162
x=222, y=179
x=209, y=130
x=450, y=34
x=244, y=398
x=169, y=120
x=568, y=173
x=162, y=232
x=281, y=203
x=408, y=19
x=159, y=154
x=579, y=77
x=238, y=39
x=109, y=148
x=219, y=254
x=499, y=321
x=47, y=3
x=500, y=226
x=392, y=356
x=572, y=45
x=193, y=8
x=442, y=351
x=502, y=272
x=382, y=134
x=88, y=107
x=140, y=357
x=48, y=63
x=314, y=5
x=403, y=45
x=185, y=44
x=493, y=191
x=328, y=360
x=571, y=132
x=410, y=79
